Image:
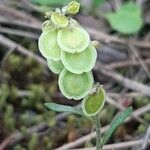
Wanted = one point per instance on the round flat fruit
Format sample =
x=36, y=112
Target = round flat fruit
x=75, y=86
x=73, y=40
x=80, y=62
x=48, y=45
x=55, y=66
x=93, y=103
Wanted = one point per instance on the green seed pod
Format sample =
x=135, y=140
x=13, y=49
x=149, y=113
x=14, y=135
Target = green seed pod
x=94, y=102
x=59, y=20
x=80, y=62
x=48, y=45
x=73, y=8
x=75, y=86
x=74, y=40
x=55, y=66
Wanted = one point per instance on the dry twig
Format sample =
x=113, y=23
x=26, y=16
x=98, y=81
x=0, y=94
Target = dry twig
x=130, y=84
x=127, y=63
x=146, y=139
x=110, y=38
x=11, y=44
x=116, y=146
x=19, y=33
x=137, y=55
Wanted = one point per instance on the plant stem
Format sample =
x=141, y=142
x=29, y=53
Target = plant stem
x=97, y=125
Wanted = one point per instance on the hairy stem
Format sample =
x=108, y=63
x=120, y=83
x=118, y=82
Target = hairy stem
x=97, y=125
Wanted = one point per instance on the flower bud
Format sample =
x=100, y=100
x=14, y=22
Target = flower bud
x=47, y=25
x=59, y=20
x=96, y=44
x=73, y=8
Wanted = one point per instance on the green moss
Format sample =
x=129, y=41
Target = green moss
x=9, y=119
x=33, y=142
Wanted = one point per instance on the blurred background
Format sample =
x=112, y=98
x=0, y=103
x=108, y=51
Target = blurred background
x=26, y=83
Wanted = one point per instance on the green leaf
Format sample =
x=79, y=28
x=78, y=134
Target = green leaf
x=118, y=120
x=64, y=108
x=127, y=19
x=130, y=7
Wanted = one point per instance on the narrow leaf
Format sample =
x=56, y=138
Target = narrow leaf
x=118, y=120
x=64, y=108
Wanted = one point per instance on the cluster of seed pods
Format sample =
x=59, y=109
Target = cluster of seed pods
x=69, y=51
